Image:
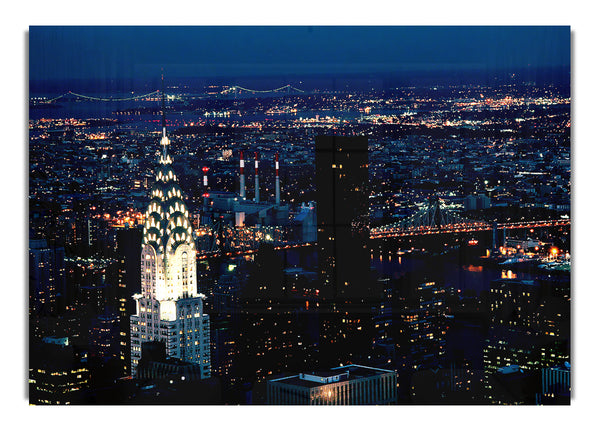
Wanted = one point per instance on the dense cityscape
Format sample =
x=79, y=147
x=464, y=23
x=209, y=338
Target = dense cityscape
x=333, y=216
x=456, y=244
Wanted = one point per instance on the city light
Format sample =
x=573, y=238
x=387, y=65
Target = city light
x=235, y=292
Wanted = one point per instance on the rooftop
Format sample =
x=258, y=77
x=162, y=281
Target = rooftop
x=321, y=378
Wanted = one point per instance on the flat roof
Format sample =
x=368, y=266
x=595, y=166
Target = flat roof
x=355, y=372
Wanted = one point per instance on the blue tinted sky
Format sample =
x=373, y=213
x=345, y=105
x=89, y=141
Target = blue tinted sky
x=126, y=52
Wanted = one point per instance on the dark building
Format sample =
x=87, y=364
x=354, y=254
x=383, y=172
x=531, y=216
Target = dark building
x=512, y=385
x=58, y=373
x=129, y=242
x=273, y=335
x=556, y=385
x=342, y=179
x=47, y=283
x=342, y=182
x=423, y=320
x=103, y=337
x=167, y=380
x=528, y=333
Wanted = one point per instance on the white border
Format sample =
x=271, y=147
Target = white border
x=578, y=14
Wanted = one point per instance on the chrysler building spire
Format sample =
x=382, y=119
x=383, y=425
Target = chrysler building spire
x=164, y=141
x=169, y=304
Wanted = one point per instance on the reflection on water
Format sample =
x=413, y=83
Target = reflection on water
x=508, y=274
x=457, y=274
x=473, y=268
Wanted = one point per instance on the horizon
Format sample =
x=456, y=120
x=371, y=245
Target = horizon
x=559, y=76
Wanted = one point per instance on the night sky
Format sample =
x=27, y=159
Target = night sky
x=58, y=53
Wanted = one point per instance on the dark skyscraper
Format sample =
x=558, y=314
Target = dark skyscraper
x=342, y=169
x=47, y=277
x=342, y=179
x=129, y=242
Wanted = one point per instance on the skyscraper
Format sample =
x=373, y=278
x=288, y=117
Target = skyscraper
x=342, y=179
x=169, y=308
x=346, y=298
x=46, y=277
x=128, y=248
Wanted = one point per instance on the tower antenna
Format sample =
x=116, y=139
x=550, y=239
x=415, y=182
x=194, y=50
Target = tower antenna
x=164, y=120
x=164, y=140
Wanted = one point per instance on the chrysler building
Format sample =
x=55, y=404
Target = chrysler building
x=169, y=308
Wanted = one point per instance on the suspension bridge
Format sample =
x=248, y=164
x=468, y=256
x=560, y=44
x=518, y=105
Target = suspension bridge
x=237, y=89
x=71, y=94
x=234, y=89
x=436, y=217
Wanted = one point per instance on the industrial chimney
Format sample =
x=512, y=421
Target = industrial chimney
x=242, y=177
x=276, y=178
x=256, y=190
x=205, y=180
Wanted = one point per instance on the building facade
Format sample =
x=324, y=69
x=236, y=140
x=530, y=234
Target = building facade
x=58, y=374
x=348, y=385
x=169, y=307
x=345, y=295
x=342, y=179
x=46, y=279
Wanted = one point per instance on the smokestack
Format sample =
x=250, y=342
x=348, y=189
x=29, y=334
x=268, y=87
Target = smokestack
x=205, y=185
x=276, y=178
x=256, y=190
x=242, y=177
x=205, y=179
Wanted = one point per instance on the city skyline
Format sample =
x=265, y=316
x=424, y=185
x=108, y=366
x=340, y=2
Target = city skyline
x=184, y=125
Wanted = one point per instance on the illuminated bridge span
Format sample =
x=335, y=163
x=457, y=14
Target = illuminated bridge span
x=236, y=89
x=102, y=99
x=438, y=218
x=435, y=216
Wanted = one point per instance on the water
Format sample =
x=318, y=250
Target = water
x=85, y=109
x=455, y=274
x=462, y=276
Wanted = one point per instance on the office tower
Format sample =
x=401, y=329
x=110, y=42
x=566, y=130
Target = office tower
x=384, y=317
x=515, y=304
x=169, y=307
x=46, y=278
x=345, y=299
x=272, y=336
x=347, y=385
x=103, y=338
x=423, y=319
x=58, y=374
x=528, y=332
x=129, y=242
x=342, y=180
